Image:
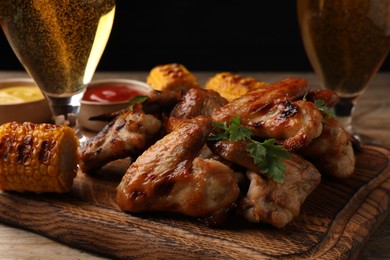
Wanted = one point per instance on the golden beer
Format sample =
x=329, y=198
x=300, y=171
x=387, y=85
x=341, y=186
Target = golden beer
x=346, y=40
x=59, y=42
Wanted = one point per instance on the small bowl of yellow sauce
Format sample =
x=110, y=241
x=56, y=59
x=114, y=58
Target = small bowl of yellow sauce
x=21, y=100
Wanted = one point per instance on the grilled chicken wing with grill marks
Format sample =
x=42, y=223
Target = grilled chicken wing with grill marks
x=332, y=152
x=128, y=135
x=288, y=89
x=278, y=203
x=197, y=101
x=170, y=177
x=272, y=113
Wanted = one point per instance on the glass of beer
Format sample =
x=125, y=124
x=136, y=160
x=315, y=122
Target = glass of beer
x=346, y=42
x=60, y=44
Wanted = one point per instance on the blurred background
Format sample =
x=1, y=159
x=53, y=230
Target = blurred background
x=217, y=35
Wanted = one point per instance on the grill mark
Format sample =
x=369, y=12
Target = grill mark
x=24, y=150
x=289, y=110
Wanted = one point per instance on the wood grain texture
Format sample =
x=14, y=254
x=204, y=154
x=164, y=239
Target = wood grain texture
x=335, y=221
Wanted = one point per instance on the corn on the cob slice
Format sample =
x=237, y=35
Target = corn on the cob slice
x=172, y=76
x=37, y=157
x=231, y=86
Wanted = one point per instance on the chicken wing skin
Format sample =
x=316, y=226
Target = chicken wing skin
x=278, y=203
x=250, y=103
x=197, y=101
x=160, y=102
x=273, y=113
x=332, y=152
x=330, y=97
x=294, y=124
x=128, y=135
x=234, y=152
x=169, y=177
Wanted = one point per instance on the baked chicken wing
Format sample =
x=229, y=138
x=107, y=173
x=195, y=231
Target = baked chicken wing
x=278, y=203
x=332, y=152
x=127, y=135
x=197, y=101
x=170, y=177
x=277, y=111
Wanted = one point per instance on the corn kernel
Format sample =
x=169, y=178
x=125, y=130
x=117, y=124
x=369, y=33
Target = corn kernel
x=232, y=86
x=31, y=154
x=37, y=175
x=51, y=171
x=172, y=76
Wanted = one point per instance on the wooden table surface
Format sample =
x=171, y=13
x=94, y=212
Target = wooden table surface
x=372, y=117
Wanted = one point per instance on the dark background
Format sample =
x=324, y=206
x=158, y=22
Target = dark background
x=219, y=35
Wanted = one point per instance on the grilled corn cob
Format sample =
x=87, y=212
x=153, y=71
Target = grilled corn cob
x=37, y=157
x=231, y=86
x=172, y=76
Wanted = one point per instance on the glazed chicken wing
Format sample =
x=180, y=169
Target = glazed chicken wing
x=234, y=152
x=272, y=113
x=128, y=135
x=197, y=101
x=332, y=152
x=278, y=203
x=170, y=177
x=329, y=97
x=288, y=89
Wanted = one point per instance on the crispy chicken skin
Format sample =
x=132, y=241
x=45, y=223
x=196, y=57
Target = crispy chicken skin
x=128, y=135
x=288, y=89
x=272, y=112
x=332, y=152
x=278, y=203
x=159, y=102
x=197, y=101
x=170, y=177
x=294, y=124
x=330, y=97
x=234, y=152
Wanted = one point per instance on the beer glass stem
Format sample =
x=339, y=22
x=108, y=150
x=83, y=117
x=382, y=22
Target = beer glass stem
x=65, y=111
x=344, y=111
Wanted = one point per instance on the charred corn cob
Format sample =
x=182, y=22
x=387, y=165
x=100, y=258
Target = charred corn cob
x=37, y=157
x=231, y=86
x=171, y=77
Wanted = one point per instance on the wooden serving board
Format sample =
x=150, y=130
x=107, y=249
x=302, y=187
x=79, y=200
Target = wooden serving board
x=335, y=222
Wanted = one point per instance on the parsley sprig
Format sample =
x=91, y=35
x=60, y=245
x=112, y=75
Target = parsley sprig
x=266, y=154
x=322, y=107
x=136, y=100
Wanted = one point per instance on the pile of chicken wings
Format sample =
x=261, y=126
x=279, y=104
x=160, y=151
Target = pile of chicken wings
x=177, y=168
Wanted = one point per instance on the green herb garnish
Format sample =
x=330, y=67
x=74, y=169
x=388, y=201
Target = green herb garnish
x=234, y=132
x=136, y=100
x=266, y=154
x=321, y=105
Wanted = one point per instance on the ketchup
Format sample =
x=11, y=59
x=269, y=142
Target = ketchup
x=112, y=93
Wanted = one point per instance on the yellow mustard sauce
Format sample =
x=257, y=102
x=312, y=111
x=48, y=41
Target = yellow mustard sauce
x=19, y=94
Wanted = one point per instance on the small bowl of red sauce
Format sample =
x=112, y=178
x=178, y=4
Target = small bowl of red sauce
x=107, y=96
